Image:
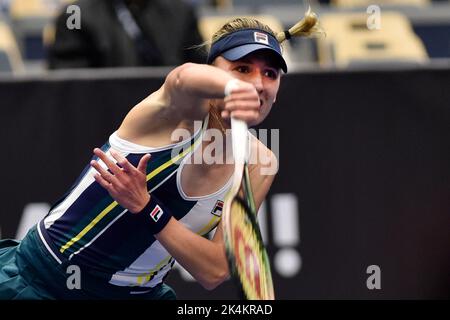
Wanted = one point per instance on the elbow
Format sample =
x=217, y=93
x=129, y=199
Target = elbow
x=176, y=78
x=182, y=73
x=214, y=280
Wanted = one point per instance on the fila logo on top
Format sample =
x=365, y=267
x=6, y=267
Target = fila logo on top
x=156, y=213
x=261, y=37
x=217, y=210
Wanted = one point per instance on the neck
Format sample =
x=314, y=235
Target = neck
x=216, y=121
x=213, y=145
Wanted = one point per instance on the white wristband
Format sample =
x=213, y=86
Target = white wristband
x=230, y=86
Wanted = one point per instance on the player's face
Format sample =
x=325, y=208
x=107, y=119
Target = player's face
x=260, y=69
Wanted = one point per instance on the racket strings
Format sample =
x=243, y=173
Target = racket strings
x=252, y=265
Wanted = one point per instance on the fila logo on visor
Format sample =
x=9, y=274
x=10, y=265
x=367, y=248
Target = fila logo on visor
x=261, y=38
x=156, y=213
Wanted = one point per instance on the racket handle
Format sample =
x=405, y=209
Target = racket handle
x=239, y=130
x=230, y=86
x=239, y=138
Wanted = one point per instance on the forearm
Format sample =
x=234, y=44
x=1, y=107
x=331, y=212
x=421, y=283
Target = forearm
x=203, y=258
x=199, y=81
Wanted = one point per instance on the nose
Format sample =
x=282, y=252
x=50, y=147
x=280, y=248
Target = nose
x=257, y=81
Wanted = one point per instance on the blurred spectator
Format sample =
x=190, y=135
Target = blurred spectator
x=4, y=6
x=115, y=33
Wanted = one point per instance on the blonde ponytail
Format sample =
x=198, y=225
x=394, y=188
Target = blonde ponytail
x=307, y=27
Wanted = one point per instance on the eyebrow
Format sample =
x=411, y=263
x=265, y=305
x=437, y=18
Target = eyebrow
x=269, y=63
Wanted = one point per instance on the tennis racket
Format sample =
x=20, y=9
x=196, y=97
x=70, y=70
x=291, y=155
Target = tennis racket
x=247, y=256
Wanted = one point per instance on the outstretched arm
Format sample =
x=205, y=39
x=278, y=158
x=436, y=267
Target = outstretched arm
x=184, y=96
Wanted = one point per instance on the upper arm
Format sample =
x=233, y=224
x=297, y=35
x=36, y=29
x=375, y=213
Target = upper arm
x=150, y=116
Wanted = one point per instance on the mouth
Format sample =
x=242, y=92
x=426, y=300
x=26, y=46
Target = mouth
x=260, y=102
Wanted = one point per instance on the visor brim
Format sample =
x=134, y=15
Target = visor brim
x=237, y=53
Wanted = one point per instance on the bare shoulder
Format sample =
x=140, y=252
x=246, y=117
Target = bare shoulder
x=148, y=115
x=154, y=121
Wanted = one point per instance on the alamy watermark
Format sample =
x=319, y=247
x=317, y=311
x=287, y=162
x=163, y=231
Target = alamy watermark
x=374, y=280
x=73, y=22
x=219, y=149
x=374, y=19
x=74, y=279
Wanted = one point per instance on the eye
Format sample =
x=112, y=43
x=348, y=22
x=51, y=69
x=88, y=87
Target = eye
x=272, y=74
x=242, y=69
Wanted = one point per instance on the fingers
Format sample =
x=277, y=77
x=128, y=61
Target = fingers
x=225, y=114
x=243, y=103
x=243, y=86
x=247, y=95
x=142, y=165
x=122, y=161
x=126, y=184
x=104, y=183
x=243, y=108
x=109, y=180
x=247, y=116
x=105, y=175
x=110, y=164
x=240, y=104
x=125, y=165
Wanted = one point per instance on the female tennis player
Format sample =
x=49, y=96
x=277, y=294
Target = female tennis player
x=139, y=206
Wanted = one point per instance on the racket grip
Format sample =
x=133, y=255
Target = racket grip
x=230, y=86
x=239, y=130
x=239, y=138
x=158, y=215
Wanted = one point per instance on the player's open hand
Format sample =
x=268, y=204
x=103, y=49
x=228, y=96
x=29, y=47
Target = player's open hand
x=124, y=182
